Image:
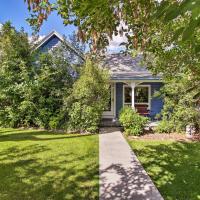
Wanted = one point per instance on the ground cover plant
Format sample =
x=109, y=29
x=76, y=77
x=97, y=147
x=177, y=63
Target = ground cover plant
x=46, y=165
x=173, y=166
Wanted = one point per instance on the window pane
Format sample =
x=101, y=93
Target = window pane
x=108, y=107
x=141, y=95
x=127, y=94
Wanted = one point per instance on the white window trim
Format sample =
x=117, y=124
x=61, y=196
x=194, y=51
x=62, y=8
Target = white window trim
x=149, y=96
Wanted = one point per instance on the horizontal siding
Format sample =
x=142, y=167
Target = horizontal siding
x=156, y=102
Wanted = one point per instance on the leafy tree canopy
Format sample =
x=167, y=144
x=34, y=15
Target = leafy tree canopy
x=98, y=20
x=32, y=88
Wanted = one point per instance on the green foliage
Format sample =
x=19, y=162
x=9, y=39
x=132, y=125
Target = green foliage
x=39, y=92
x=132, y=122
x=89, y=98
x=99, y=20
x=180, y=106
x=32, y=92
x=169, y=11
x=165, y=126
x=52, y=82
x=177, y=59
x=84, y=117
x=15, y=72
x=143, y=18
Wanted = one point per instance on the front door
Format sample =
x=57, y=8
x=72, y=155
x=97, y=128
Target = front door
x=109, y=112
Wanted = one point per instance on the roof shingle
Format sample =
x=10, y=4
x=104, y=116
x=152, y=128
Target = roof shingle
x=125, y=67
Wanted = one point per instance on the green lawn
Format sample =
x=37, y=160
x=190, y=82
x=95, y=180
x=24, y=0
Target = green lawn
x=39, y=165
x=173, y=166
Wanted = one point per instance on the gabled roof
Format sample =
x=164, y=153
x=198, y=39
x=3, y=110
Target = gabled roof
x=125, y=67
x=61, y=39
x=48, y=37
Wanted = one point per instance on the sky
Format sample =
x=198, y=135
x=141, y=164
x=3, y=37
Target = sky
x=16, y=11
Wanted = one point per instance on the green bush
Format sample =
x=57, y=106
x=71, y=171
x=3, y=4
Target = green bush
x=132, y=122
x=180, y=105
x=88, y=99
x=84, y=118
x=164, y=126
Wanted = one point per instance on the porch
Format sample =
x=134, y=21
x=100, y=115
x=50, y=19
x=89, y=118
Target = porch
x=137, y=94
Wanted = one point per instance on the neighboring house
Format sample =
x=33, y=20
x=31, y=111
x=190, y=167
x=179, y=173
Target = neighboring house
x=131, y=84
x=53, y=40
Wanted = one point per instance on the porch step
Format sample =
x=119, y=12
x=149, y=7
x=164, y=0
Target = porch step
x=109, y=123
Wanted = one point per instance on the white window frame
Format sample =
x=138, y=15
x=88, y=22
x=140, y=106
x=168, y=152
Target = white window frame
x=149, y=96
x=112, y=112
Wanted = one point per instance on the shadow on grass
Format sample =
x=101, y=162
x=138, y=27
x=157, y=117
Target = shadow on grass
x=25, y=175
x=174, y=167
x=35, y=135
x=66, y=168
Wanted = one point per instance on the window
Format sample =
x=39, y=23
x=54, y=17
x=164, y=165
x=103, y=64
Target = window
x=127, y=96
x=142, y=95
x=109, y=105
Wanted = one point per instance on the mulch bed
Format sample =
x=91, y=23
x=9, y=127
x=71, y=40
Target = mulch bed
x=164, y=136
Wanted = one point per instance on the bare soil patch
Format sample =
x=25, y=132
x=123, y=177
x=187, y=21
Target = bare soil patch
x=166, y=136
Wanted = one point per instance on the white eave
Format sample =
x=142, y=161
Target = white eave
x=55, y=33
x=48, y=37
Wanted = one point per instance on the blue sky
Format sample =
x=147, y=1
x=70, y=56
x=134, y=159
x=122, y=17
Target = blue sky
x=16, y=11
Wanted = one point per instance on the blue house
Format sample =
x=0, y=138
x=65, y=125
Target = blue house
x=131, y=84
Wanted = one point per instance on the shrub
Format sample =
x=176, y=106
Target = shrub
x=164, y=127
x=89, y=98
x=132, y=122
x=84, y=117
x=180, y=105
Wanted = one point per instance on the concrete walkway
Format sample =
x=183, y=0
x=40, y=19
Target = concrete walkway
x=121, y=174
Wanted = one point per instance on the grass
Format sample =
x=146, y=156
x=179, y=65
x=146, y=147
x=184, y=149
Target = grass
x=173, y=166
x=39, y=165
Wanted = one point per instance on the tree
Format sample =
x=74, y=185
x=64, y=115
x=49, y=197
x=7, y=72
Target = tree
x=32, y=85
x=52, y=81
x=178, y=61
x=180, y=106
x=15, y=72
x=89, y=98
x=98, y=20
x=187, y=8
